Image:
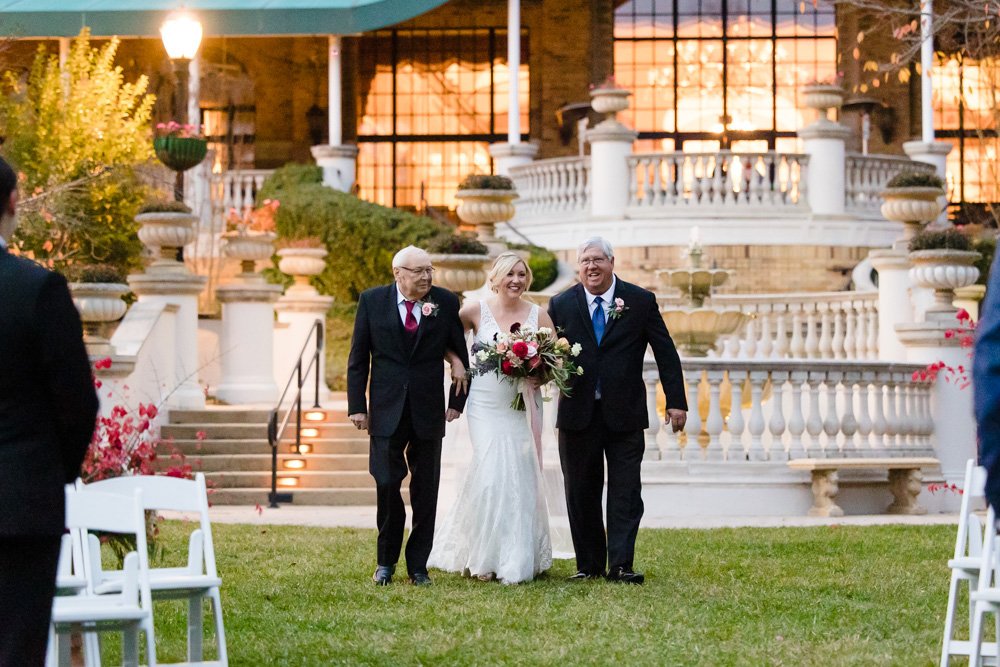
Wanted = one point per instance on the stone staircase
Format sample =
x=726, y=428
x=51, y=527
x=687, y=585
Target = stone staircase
x=236, y=458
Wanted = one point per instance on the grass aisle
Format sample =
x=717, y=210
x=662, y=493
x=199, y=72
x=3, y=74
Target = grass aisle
x=798, y=596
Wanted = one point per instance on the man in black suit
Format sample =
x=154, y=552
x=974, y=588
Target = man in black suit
x=47, y=410
x=604, y=417
x=401, y=332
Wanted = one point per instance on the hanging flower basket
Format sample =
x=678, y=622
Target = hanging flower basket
x=180, y=153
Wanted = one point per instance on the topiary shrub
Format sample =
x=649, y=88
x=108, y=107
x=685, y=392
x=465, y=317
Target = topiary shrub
x=949, y=239
x=361, y=237
x=915, y=179
x=486, y=182
x=456, y=244
x=543, y=263
x=987, y=247
x=164, y=206
x=94, y=273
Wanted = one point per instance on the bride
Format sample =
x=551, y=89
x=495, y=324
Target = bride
x=498, y=527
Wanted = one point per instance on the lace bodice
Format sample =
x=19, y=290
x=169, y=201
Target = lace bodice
x=488, y=326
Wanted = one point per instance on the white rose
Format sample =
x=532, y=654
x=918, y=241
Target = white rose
x=576, y=349
x=545, y=331
x=482, y=355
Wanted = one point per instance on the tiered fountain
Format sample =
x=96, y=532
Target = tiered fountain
x=694, y=328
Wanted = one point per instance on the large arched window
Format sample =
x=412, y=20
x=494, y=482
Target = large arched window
x=711, y=74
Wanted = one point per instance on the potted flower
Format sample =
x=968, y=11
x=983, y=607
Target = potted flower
x=484, y=201
x=913, y=198
x=166, y=227
x=251, y=236
x=943, y=261
x=459, y=261
x=97, y=291
x=608, y=97
x=179, y=146
x=302, y=258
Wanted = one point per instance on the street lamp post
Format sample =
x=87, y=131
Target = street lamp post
x=181, y=34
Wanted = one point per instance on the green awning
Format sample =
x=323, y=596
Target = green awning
x=142, y=18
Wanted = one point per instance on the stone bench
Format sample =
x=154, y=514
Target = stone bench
x=905, y=481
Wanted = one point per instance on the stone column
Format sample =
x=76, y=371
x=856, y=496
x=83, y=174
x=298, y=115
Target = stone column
x=247, y=342
x=894, y=305
x=825, y=142
x=299, y=309
x=507, y=156
x=339, y=165
x=951, y=403
x=173, y=285
x=610, y=146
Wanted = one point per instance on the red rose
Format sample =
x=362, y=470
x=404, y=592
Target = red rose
x=520, y=349
x=506, y=367
x=535, y=362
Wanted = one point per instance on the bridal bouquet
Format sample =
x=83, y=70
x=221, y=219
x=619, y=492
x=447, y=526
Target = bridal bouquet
x=528, y=353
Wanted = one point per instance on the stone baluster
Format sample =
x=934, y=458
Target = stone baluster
x=719, y=189
x=757, y=184
x=848, y=422
x=926, y=389
x=796, y=422
x=891, y=415
x=652, y=452
x=812, y=338
x=732, y=345
x=831, y=423
x=873, y=335
x=714, y=422
x=766, y=344
x=826, y=333
x=864, y=419
x=839, y=335
x=906, y=416
x=814, y=424
x=692, y=427
x=856, y=317
x=781, y=331
x=776, y=425
x=750, y=339
x=880, y=426
x=736, y=421
x=797, y=346
x=850, y=346
x=757, y=425
x=633, y=183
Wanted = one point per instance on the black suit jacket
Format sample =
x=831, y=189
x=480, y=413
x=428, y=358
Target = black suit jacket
x=617, y=361
x=399, y=370
x=47, y=399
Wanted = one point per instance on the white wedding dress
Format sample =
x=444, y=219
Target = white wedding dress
x=499, y=523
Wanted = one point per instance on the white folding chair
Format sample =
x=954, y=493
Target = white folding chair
x=195, y=582
x=130, y=610
x=966, y=562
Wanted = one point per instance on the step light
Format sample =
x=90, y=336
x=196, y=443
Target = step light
x=314, y=416
x=288, y=481
x=304, y=448
x=309, y=432
x=295, y=464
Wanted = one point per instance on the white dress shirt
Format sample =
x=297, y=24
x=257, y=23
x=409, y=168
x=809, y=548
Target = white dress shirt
x=401, y=305
x=607, y=296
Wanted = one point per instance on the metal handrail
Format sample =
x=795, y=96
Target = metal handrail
x=274, y=431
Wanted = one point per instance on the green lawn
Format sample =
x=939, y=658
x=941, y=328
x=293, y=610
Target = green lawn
x=797, y=596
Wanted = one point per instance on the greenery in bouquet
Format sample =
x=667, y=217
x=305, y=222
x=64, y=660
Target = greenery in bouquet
x=537, y=354
x=254, y=220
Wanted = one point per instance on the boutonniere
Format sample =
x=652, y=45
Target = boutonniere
x=618, y=308
x=428, y=308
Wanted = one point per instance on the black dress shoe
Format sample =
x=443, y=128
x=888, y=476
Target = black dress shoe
x=625, y=575
x=420, y=579
x=582, y=576
x=383, y=575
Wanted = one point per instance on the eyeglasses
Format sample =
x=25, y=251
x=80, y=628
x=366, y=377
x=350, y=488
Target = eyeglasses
x=593, y=261
x=420, y=270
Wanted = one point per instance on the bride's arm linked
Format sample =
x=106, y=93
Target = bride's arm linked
x=469, y=314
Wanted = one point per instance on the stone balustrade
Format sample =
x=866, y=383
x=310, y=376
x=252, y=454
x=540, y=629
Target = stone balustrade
x=553, y=186
x=806, y=325
x=791, y=409
x=865, y=179
x=711, y=182
x=233, y=189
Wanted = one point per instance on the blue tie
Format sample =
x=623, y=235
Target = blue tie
x=599, y=319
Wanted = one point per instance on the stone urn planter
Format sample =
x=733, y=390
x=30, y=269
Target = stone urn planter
x=301, y=264
x=823, y=96
x=249, y=248
x=485, y=200
x=166, y=232
x=609, y=100
x=99, y=305
x=912, y=206
x=944, y=271
x=459, y=273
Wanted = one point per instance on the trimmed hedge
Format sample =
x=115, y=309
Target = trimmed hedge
x=361, y=237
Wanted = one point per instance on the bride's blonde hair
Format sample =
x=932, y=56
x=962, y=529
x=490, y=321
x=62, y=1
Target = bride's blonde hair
x=502, y=265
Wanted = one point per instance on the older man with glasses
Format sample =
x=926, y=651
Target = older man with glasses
x=401, y=333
